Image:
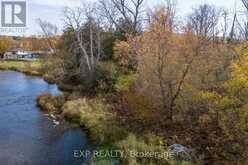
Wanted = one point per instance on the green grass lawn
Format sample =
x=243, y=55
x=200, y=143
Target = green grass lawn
x=28, y=67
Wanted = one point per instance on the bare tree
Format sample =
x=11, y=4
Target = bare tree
x=246, y=30
x=89, y=47
x=49, y=31
x=245, y=2
x=204, y=20
x=243, y=26
x=128, y=11
x=225, y=24
x=232, y=33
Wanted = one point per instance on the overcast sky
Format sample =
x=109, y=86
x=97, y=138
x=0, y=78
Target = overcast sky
x=51, y=10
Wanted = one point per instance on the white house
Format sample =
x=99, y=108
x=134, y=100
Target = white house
x=20, y=54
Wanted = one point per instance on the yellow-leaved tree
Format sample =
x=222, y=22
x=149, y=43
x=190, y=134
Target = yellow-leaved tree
x=5, y=44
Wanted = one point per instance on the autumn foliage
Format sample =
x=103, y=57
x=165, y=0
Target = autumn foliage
x=185, y=83
x=190, y=89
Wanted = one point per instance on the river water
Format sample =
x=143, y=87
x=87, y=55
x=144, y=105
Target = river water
x=28, y=136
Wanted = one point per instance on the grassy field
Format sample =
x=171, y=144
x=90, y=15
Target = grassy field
x=28, y=67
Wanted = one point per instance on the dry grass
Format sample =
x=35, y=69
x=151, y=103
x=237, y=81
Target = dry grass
x=51, y=103
x=28, y=67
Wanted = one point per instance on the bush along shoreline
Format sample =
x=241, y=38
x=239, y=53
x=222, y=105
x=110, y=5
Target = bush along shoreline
x=96, y=115
x=32, y=68
x=104, y=130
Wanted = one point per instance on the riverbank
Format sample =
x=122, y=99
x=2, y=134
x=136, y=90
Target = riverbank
x=105, y=129
x=33, y=68
x=28, y=136
x=97, y=116
x=113, y=132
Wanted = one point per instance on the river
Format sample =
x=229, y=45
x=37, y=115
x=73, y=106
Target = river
x=28, y=136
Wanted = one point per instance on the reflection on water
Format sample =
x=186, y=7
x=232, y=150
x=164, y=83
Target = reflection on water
x=27, y=136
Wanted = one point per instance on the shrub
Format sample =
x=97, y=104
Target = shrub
x=95, y=116
x=152, y=144
x=53, y=68
x=125, y=82
x=50, y=103
x=142, y=108
x=106, y=76
x=125, y=56
x=48, y=78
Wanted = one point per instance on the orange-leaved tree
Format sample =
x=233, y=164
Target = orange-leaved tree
x=165, y=59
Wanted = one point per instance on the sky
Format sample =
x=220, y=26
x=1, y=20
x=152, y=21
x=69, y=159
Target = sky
x=51, y=10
